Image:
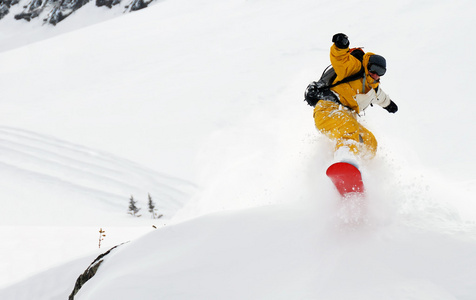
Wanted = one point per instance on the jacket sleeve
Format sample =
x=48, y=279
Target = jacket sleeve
x=343, y=62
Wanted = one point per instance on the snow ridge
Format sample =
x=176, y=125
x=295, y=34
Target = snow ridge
x=90, y=176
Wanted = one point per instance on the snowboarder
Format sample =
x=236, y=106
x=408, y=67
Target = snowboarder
x=338, y=119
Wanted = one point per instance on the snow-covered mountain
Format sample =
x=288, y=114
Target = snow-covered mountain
x=23, y=22
x=54, y=11
x=201, y=105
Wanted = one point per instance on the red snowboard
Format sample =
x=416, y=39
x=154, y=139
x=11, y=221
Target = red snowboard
x=346, y=178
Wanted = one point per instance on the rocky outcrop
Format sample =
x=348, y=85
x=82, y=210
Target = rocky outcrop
x=107, y=3
x=89, y=272
x=5, y=7
x=54, y=11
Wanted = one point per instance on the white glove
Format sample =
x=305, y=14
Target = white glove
x=364, y=100
x=382, y=99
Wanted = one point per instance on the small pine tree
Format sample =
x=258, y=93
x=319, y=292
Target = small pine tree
x=152, y=209
x=133, y=209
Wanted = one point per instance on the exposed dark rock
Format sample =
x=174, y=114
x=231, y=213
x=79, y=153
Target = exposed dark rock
x=32, y=10
x=57, y=10
x=63, y=9
x=107, y=3
x=137, y=5
x=89, y=272
x=5, y=7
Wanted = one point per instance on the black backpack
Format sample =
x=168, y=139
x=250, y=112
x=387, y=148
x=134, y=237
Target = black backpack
x=321, y=90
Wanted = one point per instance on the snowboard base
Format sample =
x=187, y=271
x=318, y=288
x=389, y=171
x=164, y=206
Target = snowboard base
x=346, y=178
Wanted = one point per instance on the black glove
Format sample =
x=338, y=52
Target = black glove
x=341, y=40
x=392, y=107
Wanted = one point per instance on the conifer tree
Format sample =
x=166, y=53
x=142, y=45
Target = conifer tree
x=152, y=209
x=133, y=209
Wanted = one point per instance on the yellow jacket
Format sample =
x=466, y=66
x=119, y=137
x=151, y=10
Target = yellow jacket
x=345, y=65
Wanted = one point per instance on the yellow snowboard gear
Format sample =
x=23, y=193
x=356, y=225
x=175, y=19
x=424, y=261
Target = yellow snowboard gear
x=345, y=65
x=340, y=124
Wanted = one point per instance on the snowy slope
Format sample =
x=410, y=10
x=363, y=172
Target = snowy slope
x=283, y=253
x=57, y=195
x=79, y=174
x=16, y=33
x=202, y=102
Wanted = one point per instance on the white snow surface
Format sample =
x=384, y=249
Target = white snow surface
x=200, y=104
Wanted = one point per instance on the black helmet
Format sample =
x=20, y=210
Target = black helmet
x=377, y=64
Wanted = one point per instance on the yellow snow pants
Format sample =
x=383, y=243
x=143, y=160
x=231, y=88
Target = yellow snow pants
x=340, y=124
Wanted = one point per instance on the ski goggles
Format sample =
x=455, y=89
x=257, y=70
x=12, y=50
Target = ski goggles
x=379, y=70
